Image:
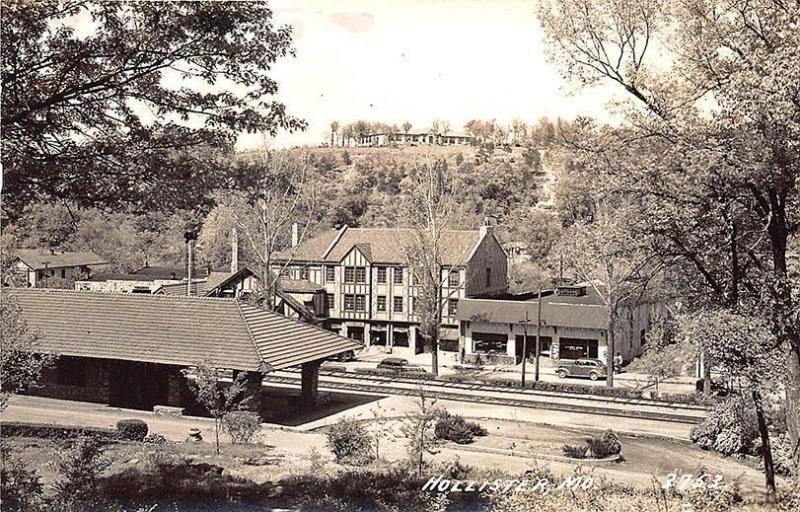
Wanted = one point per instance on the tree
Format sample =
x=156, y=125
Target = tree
x=664, y=356
x=519, y=131
x=608, y=256
x=20, y=365
x=429, y=212
x=743, y=348
x=334, y=131
x=218, y=399
x=714, y=132
x=419, y=430
x=108, y=118
x=266, y=214
x=406, y=127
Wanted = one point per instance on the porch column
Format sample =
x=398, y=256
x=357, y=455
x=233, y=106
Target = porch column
x=309, y=383
x=176, y=387
x=253, y=386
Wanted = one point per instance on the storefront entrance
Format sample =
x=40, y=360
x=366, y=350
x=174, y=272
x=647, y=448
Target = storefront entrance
x=576, y=348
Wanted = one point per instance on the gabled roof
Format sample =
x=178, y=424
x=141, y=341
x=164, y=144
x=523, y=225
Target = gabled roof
x=40, y=259
x=198, y=287
x=380, y=245
x=284, y=284
x=172, y=330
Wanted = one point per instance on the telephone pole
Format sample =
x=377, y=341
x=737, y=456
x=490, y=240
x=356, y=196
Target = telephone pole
x=525, y=348
x=538, y=335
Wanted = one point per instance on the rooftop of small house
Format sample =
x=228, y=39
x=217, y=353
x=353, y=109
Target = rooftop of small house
x=41, y=259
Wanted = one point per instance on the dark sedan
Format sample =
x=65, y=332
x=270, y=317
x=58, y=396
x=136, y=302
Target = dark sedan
x=593, y=369
x=399, y=364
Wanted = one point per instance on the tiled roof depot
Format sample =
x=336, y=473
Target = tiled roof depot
x=380, y=245
x=39, y=259
x=172, y=330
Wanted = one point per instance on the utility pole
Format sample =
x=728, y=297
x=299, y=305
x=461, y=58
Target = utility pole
x=525, y=347
x=189, y=236
x=538, y=336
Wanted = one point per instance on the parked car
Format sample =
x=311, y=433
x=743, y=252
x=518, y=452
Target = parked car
x=594, y=369
x=343, y=357
x=398, y=364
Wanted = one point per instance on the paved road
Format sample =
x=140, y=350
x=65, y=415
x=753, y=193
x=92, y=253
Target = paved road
x=63, y=412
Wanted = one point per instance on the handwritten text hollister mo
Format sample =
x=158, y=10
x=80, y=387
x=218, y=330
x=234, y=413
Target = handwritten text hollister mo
x=543, y=485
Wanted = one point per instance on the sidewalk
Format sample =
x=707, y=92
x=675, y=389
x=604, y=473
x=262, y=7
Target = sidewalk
x=448, y=363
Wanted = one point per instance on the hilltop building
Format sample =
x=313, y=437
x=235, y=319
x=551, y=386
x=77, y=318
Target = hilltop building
x=415, y=139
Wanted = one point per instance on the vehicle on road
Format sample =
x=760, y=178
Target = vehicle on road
x=343, y=357
x=593, y=369
x=399, y=365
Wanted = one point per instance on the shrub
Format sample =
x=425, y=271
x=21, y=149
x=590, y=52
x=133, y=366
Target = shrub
x=21, y=489
x=729, y=428
x=152, y=438
x=132, y=430
x=574, y=452
x=781, y=445
x=350, y=442
x=604, y=445
x=455, y=469
x=453, y=427
x=241, y=425
x=80, y=467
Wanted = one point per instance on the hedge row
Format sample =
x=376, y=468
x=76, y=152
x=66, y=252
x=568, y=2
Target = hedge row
x=556, y=387
x=393, y=373
x=580, y=389
x=59, y=432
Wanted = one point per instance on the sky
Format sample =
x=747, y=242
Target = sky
x=418, y=60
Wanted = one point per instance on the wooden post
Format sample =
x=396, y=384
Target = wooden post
x=524, y=347
x=538, y=336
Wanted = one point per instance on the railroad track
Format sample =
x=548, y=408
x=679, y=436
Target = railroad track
x=497, y=395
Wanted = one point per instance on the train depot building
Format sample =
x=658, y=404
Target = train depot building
x=130, y=350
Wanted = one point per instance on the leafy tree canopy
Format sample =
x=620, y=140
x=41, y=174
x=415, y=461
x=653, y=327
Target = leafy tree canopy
x=100, y=100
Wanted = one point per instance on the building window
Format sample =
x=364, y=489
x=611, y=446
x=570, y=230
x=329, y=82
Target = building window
x=398, y=304
x=304, y=273
x=488, y=277
x=330, y=301
x=382, y=275
x=349, y=302
x=452, y=307
x=414, y=305
x=330, y=273
x=361, y=303
x=381, y=305
x=453, y=279
x=361, y=275
x=349, y=275
x=63, y=273
x=398, y=275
